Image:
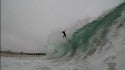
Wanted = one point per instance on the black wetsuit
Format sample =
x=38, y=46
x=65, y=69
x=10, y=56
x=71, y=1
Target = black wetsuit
x=64, y=34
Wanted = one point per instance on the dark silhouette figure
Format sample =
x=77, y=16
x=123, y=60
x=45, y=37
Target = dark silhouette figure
x=64, y=33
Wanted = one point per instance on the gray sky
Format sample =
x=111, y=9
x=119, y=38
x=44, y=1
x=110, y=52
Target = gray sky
x=26, y=24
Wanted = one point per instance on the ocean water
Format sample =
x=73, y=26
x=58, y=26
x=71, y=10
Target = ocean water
x=92, y=36
x=99, y=45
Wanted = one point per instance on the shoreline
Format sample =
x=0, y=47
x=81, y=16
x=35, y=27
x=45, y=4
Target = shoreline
x=20, y=55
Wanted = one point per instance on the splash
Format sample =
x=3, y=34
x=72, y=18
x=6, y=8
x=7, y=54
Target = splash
x=87, y=39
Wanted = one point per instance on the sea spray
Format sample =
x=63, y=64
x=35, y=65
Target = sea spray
x=91, y=36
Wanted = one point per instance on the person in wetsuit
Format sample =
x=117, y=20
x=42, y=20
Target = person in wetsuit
x=64, y=33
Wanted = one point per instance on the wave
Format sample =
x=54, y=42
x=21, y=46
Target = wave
x=86, y=40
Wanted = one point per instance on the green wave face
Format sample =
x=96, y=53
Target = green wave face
x=91, y=36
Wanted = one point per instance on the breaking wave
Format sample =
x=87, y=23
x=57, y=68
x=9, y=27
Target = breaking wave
x=86, y=40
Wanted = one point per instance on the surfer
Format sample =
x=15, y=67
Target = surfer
x=64, y=33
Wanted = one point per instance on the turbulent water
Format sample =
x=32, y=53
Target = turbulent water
x=86, y=40
x=99, y=45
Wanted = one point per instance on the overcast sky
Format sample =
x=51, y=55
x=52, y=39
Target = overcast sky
x=26, y=24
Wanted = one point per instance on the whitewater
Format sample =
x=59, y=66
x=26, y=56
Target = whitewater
x=99, y=45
